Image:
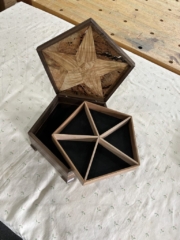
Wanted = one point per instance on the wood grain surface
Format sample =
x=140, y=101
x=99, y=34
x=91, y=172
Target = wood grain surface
x=149, y=28
x=89, y=67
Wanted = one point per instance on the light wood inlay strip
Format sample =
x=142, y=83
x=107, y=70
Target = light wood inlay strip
x=92, y=158
x=117, y=152
x=91, y=121
x=70, y=137
x=113, y=129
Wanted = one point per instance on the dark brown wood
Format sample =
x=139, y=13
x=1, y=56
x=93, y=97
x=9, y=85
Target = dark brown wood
x=26, y=1
x=44, y=116
x=2, y=5
x=38, y=145
x=8, y=3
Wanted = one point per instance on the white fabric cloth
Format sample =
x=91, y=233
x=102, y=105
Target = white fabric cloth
x=34, y=201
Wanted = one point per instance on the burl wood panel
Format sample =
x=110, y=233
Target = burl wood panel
x=149, y=28
x=84, y=64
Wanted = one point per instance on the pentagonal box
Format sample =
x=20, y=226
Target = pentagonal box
x=83, y=64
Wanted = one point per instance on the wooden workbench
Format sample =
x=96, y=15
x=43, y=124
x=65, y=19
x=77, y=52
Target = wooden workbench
x=149, y=28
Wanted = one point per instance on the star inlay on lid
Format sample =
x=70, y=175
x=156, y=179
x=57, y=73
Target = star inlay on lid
x=84, y=61
x=84, y=67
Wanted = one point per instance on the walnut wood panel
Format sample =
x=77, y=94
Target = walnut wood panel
x=74, y=137
x=148, y=28
x=26, y=1
x=91, y=121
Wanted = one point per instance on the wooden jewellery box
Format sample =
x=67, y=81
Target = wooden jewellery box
x=84, y=64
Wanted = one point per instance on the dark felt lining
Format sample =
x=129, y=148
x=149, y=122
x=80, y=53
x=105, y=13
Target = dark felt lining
x=79, y=125
x=105, y=162
x=121, y=140
x=7, y=234
x=58, y=116
x=104, y=122
x=80, y=154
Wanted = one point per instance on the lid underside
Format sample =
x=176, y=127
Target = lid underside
x=84, y=62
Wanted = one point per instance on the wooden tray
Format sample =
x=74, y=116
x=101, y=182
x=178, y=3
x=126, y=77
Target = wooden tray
x=97, y=142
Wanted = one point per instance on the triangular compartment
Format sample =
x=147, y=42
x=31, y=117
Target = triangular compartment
x=103, y=121
x=79, y=125
x=105, y=162
x=121, y=139
x=79, y=152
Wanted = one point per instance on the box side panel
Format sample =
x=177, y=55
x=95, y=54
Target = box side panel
x=66, y=173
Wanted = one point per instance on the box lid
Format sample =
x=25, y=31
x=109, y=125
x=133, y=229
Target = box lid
x=84, y=62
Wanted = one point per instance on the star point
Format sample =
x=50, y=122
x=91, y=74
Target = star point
x=84, y=68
